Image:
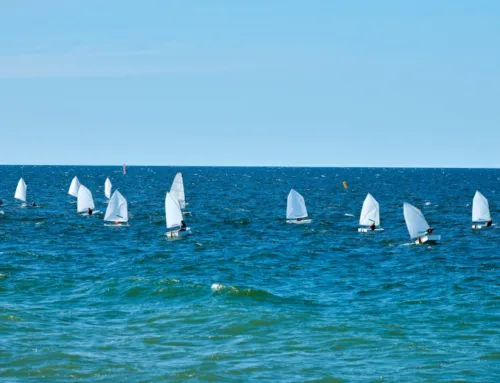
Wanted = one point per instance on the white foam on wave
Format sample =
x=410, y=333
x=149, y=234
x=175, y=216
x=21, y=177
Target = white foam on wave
x=217, y=286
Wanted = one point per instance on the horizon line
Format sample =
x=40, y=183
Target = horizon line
x=261, y=166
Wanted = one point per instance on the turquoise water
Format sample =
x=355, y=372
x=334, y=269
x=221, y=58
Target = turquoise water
x=248, y=297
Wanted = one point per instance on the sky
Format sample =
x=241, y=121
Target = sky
x=250, y=83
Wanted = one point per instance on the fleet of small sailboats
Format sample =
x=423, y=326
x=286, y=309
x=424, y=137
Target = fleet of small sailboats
x=175, y=200
x=117, y=210
x=296, y=211
x=481, y=216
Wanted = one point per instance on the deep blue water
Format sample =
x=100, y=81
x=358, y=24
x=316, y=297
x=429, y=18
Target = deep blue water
x=296, y=303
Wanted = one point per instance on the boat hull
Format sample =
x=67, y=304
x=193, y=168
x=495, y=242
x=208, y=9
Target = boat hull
x=299, y=222
x=178, y=233
x=368, y=230
x=481, y=226
x=434, y=238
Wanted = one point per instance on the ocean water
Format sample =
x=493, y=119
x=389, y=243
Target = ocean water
x=247, y=297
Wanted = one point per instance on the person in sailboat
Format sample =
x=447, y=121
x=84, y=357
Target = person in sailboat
x=89, y=211
x=183, y=226
x=299, y=219
x=372, y=226
x=33, y=203
x=489, y=223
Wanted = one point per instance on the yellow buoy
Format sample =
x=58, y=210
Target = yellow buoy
x=345, y=184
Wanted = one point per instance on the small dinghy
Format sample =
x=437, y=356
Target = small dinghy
x=21, y=192
x=174, y=218
x=117, y=210
x=419, y=229
x=369, y=219
x=85, y=201
x=481, y=216
x=73, y=188
x=177, y=192
x=107, y=188
x=296, y=209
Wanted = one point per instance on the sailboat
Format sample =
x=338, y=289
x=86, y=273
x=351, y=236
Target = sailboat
x=73, y=188
x=21, y=192
x=124, y=169
x=107, y=188
x=481, y=216
x=117, y=210
x=418, y=227
x=370, y=215
x=174, y=219
x=177, y=191
x=85, y=201
x=296, y=209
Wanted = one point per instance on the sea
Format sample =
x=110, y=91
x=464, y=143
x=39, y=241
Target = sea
x=248, y=297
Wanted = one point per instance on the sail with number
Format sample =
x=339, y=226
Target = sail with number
x=21, y=191
x=73, y=188
x=296, y=206
x=480, y=208
x=370, y=213
x=415, y=221
x=177, y=190
x=85, y=200
x=117, y=210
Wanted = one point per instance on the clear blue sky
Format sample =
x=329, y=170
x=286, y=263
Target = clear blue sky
x=255, y=82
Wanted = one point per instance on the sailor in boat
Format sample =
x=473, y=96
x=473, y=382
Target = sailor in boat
x=183, y=226
x=299, y=219
x=372, y=226
x=33, y=203
x=89, y=211
x=117, y=223
x=489, y=223
x=429, y=231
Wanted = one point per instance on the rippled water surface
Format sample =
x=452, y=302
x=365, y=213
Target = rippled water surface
x=248, y=297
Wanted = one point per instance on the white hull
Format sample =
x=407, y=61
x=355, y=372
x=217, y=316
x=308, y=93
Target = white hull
x=124, y=224
x=433, y=238
x=95, y=212
x=299, y=222
x=178, y=233
x=481, y=226
x=186, y=213
x=368, y=230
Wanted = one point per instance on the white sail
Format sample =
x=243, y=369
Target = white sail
x=296, y=206
x=177, y=190
x=85, y=200
x=173, y=213
x=21, y=190
x=480, y=208
x=370, y=213
x=117, y=210
x=73, y=188
x=415, y=221
x=107, y=188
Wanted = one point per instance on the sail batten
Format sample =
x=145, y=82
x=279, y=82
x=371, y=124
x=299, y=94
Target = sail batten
x=415, y=221
x=480, y=208
x=296, y=206
x=117, y=210
x=370, y=213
